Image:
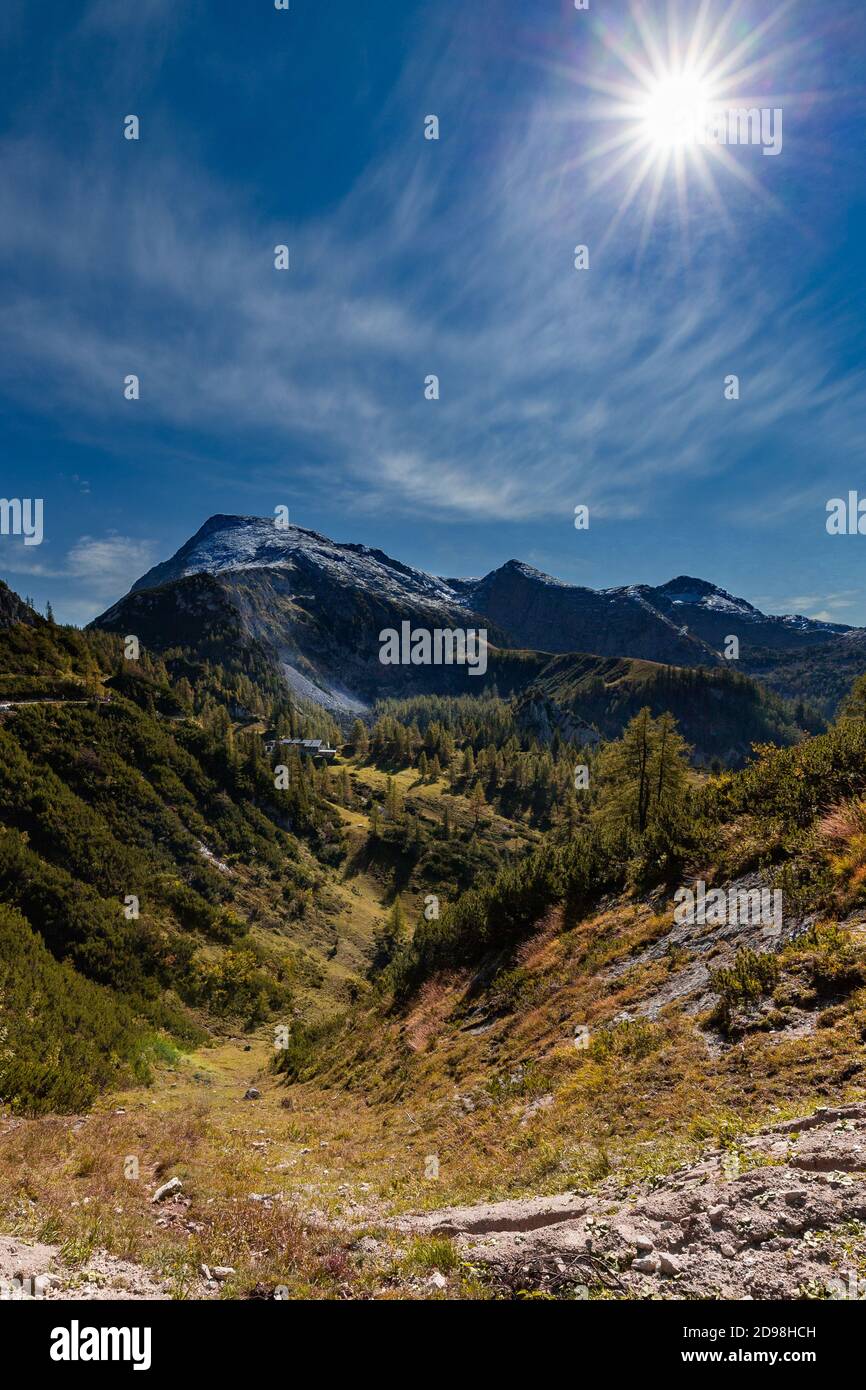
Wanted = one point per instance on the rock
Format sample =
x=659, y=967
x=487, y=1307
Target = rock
x=756, y=1238
x=368, y=1245
x=252, y=1094
x=222, y=1272
x=168, y=1189
x=437, y=1280
x=44, y=1283
x=205, y=1272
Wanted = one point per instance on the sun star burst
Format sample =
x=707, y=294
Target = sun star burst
x=661, y=111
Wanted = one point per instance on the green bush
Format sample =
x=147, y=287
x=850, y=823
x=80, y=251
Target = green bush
x=63, y=1040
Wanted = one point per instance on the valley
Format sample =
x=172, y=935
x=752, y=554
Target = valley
x=425, y=1019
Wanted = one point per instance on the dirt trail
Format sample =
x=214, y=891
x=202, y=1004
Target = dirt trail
x=31, y=1270
x=780, y=1217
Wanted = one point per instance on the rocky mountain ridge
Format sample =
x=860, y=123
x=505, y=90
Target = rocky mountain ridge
x=319, y=606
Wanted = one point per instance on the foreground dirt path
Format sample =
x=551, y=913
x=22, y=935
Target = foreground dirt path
x=783, y=1218
x=321, y=1193
x=33, y=1270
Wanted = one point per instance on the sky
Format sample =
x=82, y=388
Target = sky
x=455, y=257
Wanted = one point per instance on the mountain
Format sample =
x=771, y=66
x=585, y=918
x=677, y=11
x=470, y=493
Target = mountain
x=547, y=614
x=313, y=609
x=316, y=605
x=711, y=614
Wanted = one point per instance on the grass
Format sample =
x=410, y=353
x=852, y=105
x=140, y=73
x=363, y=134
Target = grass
x=429, y=1253
x=481, y=1072
x=640, y=1100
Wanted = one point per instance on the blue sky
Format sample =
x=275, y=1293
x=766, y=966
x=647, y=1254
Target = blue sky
x=411, y=257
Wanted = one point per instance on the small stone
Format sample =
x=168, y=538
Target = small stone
x=168, y=1189
x=437, y=1280
x=648, y=1264
x=222, y=1272
x=644, y=1243
x=717, y=1215
x=252, y=1094
x=668, y=1265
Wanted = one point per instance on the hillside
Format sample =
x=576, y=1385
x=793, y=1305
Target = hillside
x=720, y=712
x=153, y=860
x=160, y=882
x=659, y=1109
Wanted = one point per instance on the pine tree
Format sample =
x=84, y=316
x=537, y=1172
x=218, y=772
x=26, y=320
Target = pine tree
x=643, y=774
x=477, y=801
x=392, y=800
x=854, y=706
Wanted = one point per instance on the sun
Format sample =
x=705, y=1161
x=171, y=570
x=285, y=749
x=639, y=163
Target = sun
x=675, y=106
x=658, y=93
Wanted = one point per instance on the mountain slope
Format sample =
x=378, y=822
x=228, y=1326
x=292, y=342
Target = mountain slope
x=313, y=609
x=317, y=607
x=711, y=614
x=720, y=712
x=541, y=612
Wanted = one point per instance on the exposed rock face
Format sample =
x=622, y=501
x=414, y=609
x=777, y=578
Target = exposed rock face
x=769, y=1221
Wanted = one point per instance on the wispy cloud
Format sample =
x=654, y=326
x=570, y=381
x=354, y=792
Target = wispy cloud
x=101, y=567
x=453, y=258
x=828, y=608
